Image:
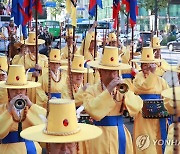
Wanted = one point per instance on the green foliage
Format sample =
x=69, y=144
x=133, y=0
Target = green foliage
x=149, y=4
x=57, y=9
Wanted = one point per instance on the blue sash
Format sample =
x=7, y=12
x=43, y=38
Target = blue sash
x=32, y=70
x=161, y=120
x=115, y=121
x=57, y=95
x=13, y=137
x=126, y=76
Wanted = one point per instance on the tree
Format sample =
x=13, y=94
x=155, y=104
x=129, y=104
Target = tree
x=150, y=4
x=58, y=8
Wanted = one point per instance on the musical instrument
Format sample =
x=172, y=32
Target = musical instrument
x=20, y=104
x=154, y=109
x=123, y=88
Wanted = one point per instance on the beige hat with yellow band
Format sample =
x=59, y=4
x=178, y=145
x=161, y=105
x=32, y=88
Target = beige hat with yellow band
x=147, y=56
x=109, y=60
x=77, y=65
x=17, y=79
x=61, y=126
x=3, y=63
x=31, y=40
x=55, y=56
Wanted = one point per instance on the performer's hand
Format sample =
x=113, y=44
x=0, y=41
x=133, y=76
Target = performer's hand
x=95, y=24
x=114, y=83
x=38, y=67
x=35, y=74
x=152, y=68
x=85, y=86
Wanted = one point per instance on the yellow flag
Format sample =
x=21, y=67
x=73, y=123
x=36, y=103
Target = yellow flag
x=71, y=9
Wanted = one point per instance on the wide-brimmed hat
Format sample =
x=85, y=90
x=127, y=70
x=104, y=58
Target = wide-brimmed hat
x=170, y=93
x=109, y=60
x=112, y=37
x=55, y=56
x=3, y=63
x=31, y=40
x=77, y=65
x=61, y=126
x=147, y=56
x=155, y=43
x=17, y=79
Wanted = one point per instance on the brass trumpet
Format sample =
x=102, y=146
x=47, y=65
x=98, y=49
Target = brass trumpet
x=123, y=88
x=20, y=104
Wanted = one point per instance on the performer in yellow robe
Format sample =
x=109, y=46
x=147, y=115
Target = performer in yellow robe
x=57, y=79
x=77, y=71
x=87, y=50
x=163, y=65
x=69, y=41
x=11, y=118
x=105, y=104
x=169, y=96
x=3, y=77
x=29, y=62
x=148, y=85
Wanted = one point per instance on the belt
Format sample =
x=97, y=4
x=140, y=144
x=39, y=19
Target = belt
x=162, y=121
x=115, y=121
x=56, y=95
x=126, y=76
x=13, y=137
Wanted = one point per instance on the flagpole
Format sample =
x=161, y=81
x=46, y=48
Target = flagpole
x=95, y=43
x=74, y=45
x=132, y=41
x=36, y=16
x=118, y=30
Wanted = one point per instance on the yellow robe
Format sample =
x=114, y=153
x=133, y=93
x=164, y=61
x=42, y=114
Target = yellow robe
x=16, y=59
x=162, y=67
x=3, y=96
x=30, y=63
x=64, y=52
x=98, y=104
x=8, y=125
x=150, y=128
x=170, y=138
x=56, y=87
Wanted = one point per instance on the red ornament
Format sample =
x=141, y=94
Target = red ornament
x=65, y=122
x=112, y=59
x=147, y=56
x=17, y=78
x=133, y=72
x=80, y=65
x=54, y=56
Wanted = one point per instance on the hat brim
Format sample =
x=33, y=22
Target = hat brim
x=161, y=47
x=30, y=84
x=35, y=133
x=146, y=61
x=168, y=93
x=98, y=65
x=40, y=41
x=78, y=71
x=53, y=61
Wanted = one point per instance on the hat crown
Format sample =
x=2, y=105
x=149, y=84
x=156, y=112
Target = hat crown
x=32, y=37
x=156, y=42
x=147, y=54
x=3, y=63
x=110, y=56
x=55, y=55
x=78, y=62
x=112, y=37
x=16, y=75
x=62, y=118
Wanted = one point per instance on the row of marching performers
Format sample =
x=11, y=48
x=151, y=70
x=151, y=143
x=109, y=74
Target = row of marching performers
x=110, y=87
